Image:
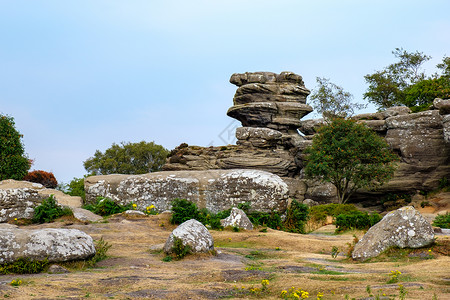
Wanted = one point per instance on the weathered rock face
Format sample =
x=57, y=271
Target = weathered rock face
x=404, y=228
x=237, y=218
x=56, y=245
x=215, y=190
x=192, y=233
x=19, y=198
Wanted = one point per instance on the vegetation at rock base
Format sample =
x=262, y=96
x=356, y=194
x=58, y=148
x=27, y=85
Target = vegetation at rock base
x=127, y=158
x=107, y=207
x=442, y=221
x=405, y=84
x=350, y=156
x=356, y=220
x=47, y=179
x=14, y=164
x=74, y=188
x=179, y=249
x=332, y=101
x=24, y=266
x=49, y=210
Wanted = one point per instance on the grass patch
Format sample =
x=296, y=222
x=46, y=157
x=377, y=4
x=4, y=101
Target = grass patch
x=328, y=272
x=256, y=254
x=328, y=278
x=234, y=244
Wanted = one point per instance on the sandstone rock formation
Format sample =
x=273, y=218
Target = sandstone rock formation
x=237, y=218
x=215, y=190
x=85, y=215
x=19, y=198
x=193, y=234
x=404, y=228
x=56, y=245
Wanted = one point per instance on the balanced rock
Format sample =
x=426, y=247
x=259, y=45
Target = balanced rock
x=237, y=218
x=56, y=245
x=19, y=198
x=404, y=228
x=215, y=190
x=192, y=233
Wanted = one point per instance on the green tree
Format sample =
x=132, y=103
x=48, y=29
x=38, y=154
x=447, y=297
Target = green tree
x=387, y=87
x=350, y=156
x=127, y=158
x=14, y=164
x=332, y=101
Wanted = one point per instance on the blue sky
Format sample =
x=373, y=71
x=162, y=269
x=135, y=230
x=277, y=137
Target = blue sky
x=80, y=75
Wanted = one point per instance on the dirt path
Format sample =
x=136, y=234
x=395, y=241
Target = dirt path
x=245, y=259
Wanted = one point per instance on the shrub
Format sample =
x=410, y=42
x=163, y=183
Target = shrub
x=47, y=179
x=49, y=210
x=179, y=248
x=76, y=188
x=183, y=210
x=14, y=164
x=107, y=207
x=296, y=217
x=24, y=266
x=271, y=220
x=442, y=221
x=320, y=212
x=356, y=220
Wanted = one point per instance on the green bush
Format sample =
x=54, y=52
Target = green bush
x=320, y=212
x=356, y=220
x=183, y=210
x=49, y=210
x=107, y=207
x=24, y=266
x=442, y=221
x=296, y=217
x=179, y=249
x=76, y=188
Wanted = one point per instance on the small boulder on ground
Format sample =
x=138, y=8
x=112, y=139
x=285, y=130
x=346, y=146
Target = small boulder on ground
x=404, y=228
x=85, y=215
x=191, y=233
x=56, y=245
x=237, y=218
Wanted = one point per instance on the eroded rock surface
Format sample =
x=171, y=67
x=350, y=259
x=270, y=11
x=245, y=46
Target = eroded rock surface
x=215, y=190
x=192, y=233
x=237, y=218
x=404, y=228
x=56, y=245
x=19, y=198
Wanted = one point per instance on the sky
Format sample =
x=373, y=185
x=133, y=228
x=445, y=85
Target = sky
x=80, y=75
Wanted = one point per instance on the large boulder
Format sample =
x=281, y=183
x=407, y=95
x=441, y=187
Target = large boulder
x=56, y=245
x=19, y=198
x=404, y=228
x=237, y=218
x=215, y=190
x=192, y=233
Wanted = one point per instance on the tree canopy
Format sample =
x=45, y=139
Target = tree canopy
x=14, y=164
x=332, y=101
x=404, y=83
x=127, y=158
x=350, y=156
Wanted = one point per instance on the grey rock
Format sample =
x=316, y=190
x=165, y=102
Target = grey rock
x=85, y=215
x=56, y=245
x=192, y=233
x=404, y=228
x=446, y=127
x=56, y=269
x=237, y=218
x=442, y=105
x=215, y=190
x=310, y=127
x=131, y=212
x=310, y=202
x=395, y=111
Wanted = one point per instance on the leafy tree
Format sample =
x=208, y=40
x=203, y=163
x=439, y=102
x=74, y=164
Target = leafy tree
x=332, y=101
x=404, y=82
x=14, y=164
x=127, y=158
x=349, y=155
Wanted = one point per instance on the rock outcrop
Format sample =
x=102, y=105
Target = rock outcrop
x=192, y=233
x=404, y=228
x=237, y=218
x=56, y=245
x=19, y=198
x=215, y=190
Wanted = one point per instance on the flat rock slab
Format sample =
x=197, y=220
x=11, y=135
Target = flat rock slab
x=215, y=190
x=56, y=245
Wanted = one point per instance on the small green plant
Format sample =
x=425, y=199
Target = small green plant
x=296, y=217
x=24, y=266
x=179, y=249
x=107, y=207
x=424, y=203
x=334, y=251
x=442, y=221
x=393, y=276
x=49, y=210
x=444, y=183
x=16, y=282
x=150, y=210
x=101, y=249
x=351, y=246
x=167, y=258
x=402, y=292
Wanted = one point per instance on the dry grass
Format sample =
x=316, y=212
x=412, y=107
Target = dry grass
x=245, y=258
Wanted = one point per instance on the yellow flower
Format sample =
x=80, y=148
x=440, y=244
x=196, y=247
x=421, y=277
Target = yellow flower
x=283, y=293
x=296, y=296
x=265, y=282
x=134, y=206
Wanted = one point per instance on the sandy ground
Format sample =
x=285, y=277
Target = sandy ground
x=244, y=259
